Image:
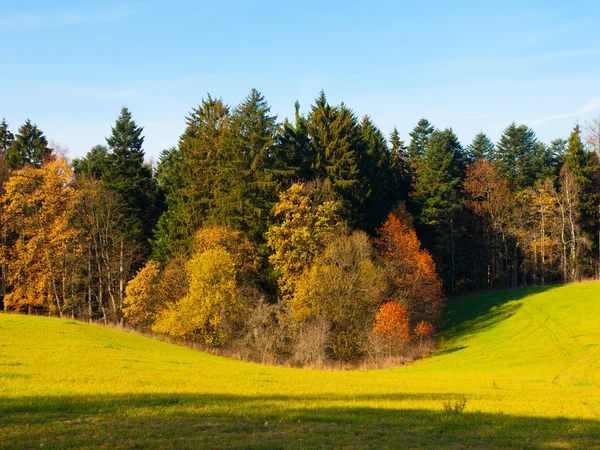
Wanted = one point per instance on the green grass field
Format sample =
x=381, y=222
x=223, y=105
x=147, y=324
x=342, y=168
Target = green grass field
x=528, y=361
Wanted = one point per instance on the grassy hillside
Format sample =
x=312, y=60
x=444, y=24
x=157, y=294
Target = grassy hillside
x=528, y=361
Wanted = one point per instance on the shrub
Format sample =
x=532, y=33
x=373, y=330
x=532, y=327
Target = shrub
x=391, y=327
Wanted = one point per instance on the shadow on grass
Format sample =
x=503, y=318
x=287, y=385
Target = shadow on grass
x=474, y=314
x=226, y=421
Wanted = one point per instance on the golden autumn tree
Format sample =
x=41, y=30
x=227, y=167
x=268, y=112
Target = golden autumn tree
x=410, y=271
x=42, y=253
x=342, y=287
x=306, y=219
x=219, y=276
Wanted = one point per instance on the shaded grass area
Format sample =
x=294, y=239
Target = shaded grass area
x=233, y=421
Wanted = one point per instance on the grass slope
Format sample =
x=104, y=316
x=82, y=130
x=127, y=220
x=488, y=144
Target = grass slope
x=527, y=360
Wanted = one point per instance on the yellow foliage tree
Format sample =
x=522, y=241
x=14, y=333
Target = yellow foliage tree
x=307, y=220
x=213, y=307
x=343, y=287
x=140, y=302
x=42, y=256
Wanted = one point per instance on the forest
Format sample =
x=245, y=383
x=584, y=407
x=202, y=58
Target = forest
x=304, y=241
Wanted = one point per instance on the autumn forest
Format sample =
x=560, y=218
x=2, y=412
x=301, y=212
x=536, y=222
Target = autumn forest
x=306, y=241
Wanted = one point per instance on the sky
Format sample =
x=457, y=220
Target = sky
x=474, y=66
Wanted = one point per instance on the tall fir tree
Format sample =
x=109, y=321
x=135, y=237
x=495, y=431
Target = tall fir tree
x=94, y=163
x=128, y=176
x=339, y=151
x=259, y=170
x=381, y=194
x=518, y=157
x=294, y=148
x=400, y=165
x=481, y=148
x=198, y=178
x=437, y=194
x=419, y=138
x=29, y=147
x=6, y=137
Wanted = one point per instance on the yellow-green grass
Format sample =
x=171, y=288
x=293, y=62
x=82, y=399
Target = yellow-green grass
x=527, y=360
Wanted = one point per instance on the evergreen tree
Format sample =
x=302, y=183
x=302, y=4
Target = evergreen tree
x=400, y=166
x=419, y=138
x=437, y=189
x=557, y=148
x=294, y=148
x=128, y=176
x=94, y=163
x=258, y=172
x=339, y=152
x=575, y=157
x=6, y=137
x=481, y=148
x=517, y=156
x=199, y=178
x=29, y=147
x=380, y=195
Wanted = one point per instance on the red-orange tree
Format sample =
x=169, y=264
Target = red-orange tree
x=391, y=326
x=410, y=270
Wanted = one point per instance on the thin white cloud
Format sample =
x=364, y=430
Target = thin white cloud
x=589, y=106
x=29, y=21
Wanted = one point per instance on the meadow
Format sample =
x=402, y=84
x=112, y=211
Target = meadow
x=525, y=361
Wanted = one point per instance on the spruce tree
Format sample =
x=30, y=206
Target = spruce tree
x=419, y=138
x=29, y=147
x=257, y=173
x=336, y=142
x=128, y=176
x=518, y=157
x=400, y=166
x=94, y=163
x=437, y=193
x=199, y=178
x=294, y=149
x=575, y=157
x=6, y=137
x=481, y=148
x=380, y=194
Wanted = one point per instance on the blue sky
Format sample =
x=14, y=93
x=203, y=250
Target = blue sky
x=473, y=65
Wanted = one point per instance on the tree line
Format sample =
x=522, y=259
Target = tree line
x=258, y=234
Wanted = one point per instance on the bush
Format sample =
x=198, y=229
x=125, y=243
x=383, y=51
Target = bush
x=311, y=344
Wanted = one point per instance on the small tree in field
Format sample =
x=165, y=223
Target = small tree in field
x=410, y=270
x=140, y=303
x=423, y=330
x=391, y=327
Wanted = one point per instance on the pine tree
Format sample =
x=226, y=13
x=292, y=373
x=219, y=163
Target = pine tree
x=294, y=149
x=204, y=158
x=575, y=157
x=380, y=175
x=29, y=147
x=6, y=137
x=256, y=179
x=128, y=176
x=94, y=163
x=481, y=148
x=517, y=156
x=437, y=189
x=339, y=152
x=400, y=166
x=419, y=139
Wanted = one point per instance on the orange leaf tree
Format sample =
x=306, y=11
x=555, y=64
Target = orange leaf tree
x=410, y=270
x=391, y=326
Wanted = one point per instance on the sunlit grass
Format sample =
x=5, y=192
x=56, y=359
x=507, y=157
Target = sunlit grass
x=527, y=361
